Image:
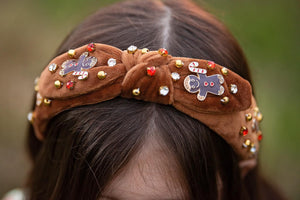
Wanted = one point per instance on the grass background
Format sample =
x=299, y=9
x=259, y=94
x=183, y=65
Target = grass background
x=268, y=31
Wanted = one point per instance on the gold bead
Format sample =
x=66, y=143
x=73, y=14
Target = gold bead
x=145, y=50
x=136, y=92
x=225, y=100
x=259, y=116
x=256, y=109
x=72, y=53
x=179, y=63
x=58, y=84
x=101, y=75
x=247, y=143
x=224, y=71
x=47, y=102
x=248, y=117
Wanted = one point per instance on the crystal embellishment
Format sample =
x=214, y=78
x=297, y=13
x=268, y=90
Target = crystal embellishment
x=111, y=62
x=163, y=90
x=233, y=89
x=39, y=99
x=253, y=149
x=52, y=67
x=30, y=117
x=175, y=76
x=131, y=49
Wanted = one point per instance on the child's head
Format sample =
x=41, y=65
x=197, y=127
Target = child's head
x=130, y=149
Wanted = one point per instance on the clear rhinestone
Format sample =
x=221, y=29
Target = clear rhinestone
x=39, y=99
x=131, y=49
x=175, y=76
x=253, y=149
x=52, y=67
x=163, y=90
x=62, y=73
x=111, y=62
x=30, y=116
x=233, y=89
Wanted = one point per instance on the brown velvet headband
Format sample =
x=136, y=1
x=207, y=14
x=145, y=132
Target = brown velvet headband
x=208, y=92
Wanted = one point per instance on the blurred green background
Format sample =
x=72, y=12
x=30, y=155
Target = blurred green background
x=268, y=31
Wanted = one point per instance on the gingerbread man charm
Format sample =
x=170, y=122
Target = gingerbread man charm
x=203, y=84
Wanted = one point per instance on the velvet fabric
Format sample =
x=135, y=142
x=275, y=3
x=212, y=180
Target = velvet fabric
x=130, y=72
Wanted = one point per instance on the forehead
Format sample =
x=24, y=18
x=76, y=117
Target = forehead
x=151, y=174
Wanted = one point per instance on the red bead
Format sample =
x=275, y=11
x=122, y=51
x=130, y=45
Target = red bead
x=205, y=84
x=70, y=85
x=91, y=47
x=244, y=131
x=212, y=84
x=211, y=64
x=151, y=71
x=163, y=52
x=260, y=137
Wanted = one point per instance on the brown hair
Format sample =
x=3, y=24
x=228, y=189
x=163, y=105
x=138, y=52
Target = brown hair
x=85, y=147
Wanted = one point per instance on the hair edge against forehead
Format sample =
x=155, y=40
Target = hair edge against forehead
x=87, y=146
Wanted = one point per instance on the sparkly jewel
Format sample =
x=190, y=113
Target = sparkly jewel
x=136, y=92
x=52, y=68
x=91, y=47
x=244, y=131
x=39, y=99
x=211, y=65
x=72, y=53
x=62, y=73
x=199, y=83
x=83, y=62
x=163, y=52
x=111, y=62
x=132, y=49
x=175, y=76
x=248, y=117
x=36, y=84
x=225, y=100
x=30, y=117
x=179, y=63
x=101, y=75
x=70, y=85
x=256, y=109
x=47, y=102
x=163, y=90
x=233, y=88
x=145, y=50
x=255, y=126
x=224, y=71
x=260, y=136
x=58, y=84
x=247, y=143
x=259, y=116
x=151, y=71
x=253, y=149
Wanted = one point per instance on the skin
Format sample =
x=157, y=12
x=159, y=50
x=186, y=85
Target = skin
x=152, y=174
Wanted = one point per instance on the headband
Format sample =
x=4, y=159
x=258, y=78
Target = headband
x=202, y=89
